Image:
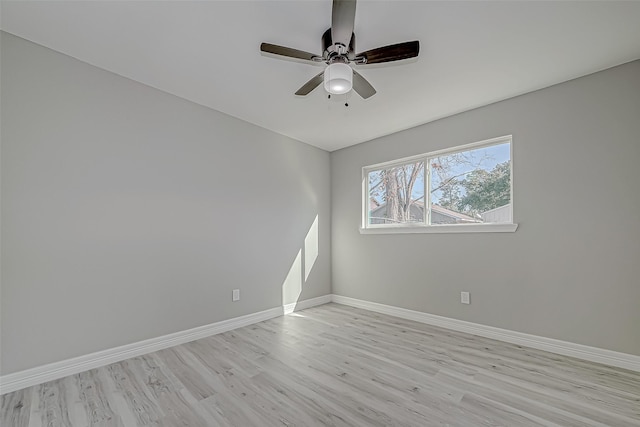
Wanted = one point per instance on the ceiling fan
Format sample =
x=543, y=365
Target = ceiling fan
x=338, y=52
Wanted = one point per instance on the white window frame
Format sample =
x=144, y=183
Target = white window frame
x=425, y=227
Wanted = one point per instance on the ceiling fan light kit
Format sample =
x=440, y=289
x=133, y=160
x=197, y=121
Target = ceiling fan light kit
x=338, y=78
x=338, y=44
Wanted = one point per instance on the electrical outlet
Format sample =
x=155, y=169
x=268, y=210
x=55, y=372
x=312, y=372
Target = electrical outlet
x=465, y=297
x=235, y=295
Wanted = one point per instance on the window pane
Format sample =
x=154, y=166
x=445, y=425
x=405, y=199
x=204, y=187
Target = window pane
x=472, y=187
x=396, y=195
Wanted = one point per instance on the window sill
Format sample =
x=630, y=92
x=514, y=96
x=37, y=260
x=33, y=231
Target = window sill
x=448, y=228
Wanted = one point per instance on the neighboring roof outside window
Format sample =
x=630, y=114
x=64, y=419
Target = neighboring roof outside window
x=439, y=214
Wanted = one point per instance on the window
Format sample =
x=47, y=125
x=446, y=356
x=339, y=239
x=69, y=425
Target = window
x=466, y=188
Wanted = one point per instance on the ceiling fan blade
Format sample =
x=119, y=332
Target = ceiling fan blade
x=343, y=15
x=362, y=86
x=288, y=52
x=394, y=52
x=311, y=85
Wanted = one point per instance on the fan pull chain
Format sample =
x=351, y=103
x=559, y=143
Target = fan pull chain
x=346, y=98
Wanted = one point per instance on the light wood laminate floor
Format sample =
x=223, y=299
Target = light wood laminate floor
x=336, y=365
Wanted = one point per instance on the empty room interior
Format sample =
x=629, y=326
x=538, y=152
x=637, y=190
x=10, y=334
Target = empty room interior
x=301, y=213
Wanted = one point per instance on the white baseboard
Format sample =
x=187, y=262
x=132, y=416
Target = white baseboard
x=56, y=370
x=308, y=303
x=591, y=354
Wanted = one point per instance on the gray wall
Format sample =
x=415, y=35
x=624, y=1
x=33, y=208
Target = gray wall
x=569, y=272
x=128, y=213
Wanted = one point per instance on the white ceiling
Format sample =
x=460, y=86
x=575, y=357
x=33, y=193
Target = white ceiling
x=472, y=54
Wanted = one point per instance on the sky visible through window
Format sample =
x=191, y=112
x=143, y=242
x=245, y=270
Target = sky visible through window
x=461, y=165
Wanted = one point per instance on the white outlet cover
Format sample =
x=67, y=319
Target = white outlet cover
x=235, y=295
x=465, y=298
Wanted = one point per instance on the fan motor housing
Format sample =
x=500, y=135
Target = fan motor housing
x=330, y=50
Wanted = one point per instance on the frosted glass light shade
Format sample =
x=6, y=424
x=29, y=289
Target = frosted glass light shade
x=338, y=78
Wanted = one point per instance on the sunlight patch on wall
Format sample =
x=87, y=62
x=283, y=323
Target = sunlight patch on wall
x=292, y=286
x=303, y=262
x=310, y=248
